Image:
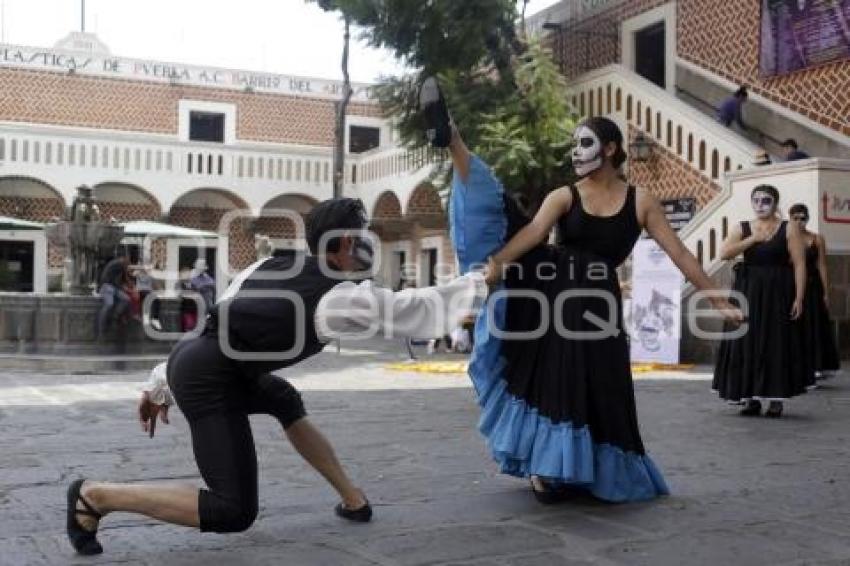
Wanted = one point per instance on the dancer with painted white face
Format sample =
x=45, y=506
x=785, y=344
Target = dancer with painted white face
x=769, y=362
x=817, y=326
x=556, y=396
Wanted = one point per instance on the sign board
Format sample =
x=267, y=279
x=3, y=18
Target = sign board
x=656, y=303
x=100, y=64
x=679, y=211
x=798, y=34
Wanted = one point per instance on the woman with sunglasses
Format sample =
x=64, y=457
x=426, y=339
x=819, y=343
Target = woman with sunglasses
x=768, y=362
x=817, y=326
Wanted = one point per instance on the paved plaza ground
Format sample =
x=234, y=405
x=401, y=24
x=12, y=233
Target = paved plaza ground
x=745, y=491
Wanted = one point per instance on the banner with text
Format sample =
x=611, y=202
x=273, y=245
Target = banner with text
x=797, y=34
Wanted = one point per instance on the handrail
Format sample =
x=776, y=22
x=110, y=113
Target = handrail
x=761, y=135
x=726, y=141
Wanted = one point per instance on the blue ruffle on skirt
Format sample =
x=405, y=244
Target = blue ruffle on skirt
x=521, y=440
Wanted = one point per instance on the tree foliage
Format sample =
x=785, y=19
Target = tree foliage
x=527, y=141
x=506, y=97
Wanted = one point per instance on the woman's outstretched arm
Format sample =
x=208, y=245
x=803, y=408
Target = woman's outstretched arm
x=556, y=204
x=656, y=224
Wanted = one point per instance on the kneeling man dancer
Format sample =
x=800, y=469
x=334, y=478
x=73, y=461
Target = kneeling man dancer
x=269, y=307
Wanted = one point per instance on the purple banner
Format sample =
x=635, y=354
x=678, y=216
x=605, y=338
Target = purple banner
x=797, y=34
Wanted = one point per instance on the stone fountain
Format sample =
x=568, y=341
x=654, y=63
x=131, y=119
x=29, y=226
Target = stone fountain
x=84, y=238
x=37, y=330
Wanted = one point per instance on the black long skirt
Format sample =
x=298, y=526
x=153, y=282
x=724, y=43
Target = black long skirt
x=818, y=330
x=769, y=361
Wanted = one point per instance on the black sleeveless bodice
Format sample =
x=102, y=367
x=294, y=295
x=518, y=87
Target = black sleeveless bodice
x=275, y=323
x=773, y=252
x=610, y=237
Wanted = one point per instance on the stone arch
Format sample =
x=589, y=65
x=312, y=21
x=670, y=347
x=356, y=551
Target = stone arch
x=424, y=201
x=387, y=206
x=30, y=199
x=125, y=201
x=425, y=207
x=204, y=208
x=273, y=225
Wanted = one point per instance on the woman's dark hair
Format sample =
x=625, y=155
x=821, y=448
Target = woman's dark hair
x=799, y=208
x=742, y=92
x=769, y=189
x=608, y=132
x=334, y=214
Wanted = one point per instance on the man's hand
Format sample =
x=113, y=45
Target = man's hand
x=148, y=412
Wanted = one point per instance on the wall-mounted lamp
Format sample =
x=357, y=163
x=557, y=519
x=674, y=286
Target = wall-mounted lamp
x=641, y=148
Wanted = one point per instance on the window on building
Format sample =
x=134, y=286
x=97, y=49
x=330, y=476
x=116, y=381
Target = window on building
x=206, y=126
x=363, y=138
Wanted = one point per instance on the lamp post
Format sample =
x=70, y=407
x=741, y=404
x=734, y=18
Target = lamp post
x=641, y=148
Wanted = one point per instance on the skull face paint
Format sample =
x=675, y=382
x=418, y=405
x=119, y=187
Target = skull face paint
x=764, y=205
x=587, y=153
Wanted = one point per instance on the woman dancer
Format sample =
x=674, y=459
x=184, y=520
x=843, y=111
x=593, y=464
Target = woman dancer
x=817, y=326
x=769, y=362
x=558, y=408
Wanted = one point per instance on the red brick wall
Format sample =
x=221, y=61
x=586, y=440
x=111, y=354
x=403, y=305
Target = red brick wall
x=60, y=99
x=124, y=211
x=595, y=42
x=425, y=200
x=667, y=176
x=276, y=227
x=387, y=206
x=721, y=36
x=241, y=238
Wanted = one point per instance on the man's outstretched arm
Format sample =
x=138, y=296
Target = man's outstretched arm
x=361, y=311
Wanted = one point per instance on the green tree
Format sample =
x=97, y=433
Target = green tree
x=506, y=96
x=527, y=141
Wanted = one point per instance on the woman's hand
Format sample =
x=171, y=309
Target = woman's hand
x=797, y=308
x=493, y=271
x=148, y=411
x=726, y=309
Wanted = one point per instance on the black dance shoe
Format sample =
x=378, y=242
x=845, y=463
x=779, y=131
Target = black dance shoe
x=84, y=542
x=751, y=409
x=362, y=514
x=432, y=105
x=549, y=495
x=774, y=410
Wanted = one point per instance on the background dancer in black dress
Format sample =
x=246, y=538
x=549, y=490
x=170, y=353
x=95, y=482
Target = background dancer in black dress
x=769, y=362
x=217, y=389
x=817, y=325
x=556, y=407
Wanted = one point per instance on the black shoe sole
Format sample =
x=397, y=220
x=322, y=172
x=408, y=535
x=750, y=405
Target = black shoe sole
x=432, y=105
x=361, y=515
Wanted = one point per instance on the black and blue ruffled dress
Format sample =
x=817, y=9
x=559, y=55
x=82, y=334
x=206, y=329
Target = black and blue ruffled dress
x=551, y=363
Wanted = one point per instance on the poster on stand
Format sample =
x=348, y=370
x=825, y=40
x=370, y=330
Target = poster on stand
x=655, y=305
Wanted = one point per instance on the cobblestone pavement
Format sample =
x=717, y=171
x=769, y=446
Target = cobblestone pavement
x=745, y=491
